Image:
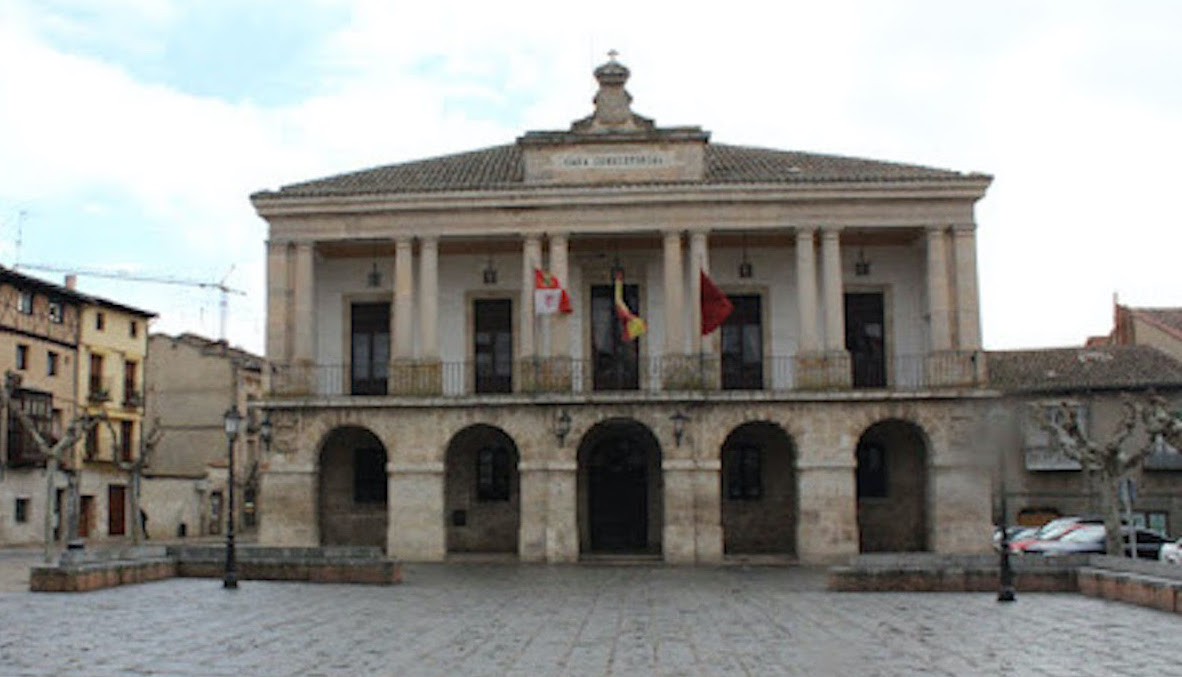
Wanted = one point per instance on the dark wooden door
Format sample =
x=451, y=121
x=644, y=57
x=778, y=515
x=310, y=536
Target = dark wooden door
x=493, y=351
x=370, y=346
x=116, y=510
x=85, y=516
x=618, y=497
x=742, y=345
x=865, y=339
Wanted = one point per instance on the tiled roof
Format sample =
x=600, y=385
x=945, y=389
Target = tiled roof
x=502, y=167
x=1068, y=369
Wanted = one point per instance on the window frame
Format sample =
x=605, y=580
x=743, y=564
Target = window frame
x=22, y=357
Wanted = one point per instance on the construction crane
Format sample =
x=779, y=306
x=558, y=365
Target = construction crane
x=121, y=275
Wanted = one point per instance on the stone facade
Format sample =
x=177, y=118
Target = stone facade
x=409, y=350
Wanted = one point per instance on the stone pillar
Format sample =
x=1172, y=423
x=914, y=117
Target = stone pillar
x=937, y=281
x=678, y=539
x=968, y=321
x=429, y=297
x=528, y=367
x=287, y=506
x=533, y=479
x=279, y=302
x=708, y=508
x=827, y=528
x=699, y=262
x=806, y=290
x=402, y=317
x=416, y=505
x=562, y=521
x=674, y=295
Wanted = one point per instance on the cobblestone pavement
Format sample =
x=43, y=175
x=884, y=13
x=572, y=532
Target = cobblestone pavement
x=474, y=619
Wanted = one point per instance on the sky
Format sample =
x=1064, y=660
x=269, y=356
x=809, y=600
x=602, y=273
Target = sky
x=132, y=132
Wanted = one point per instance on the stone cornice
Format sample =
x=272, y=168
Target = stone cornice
x=969, y=188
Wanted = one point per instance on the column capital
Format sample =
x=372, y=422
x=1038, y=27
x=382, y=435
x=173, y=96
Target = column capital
x=964, y=228
x=831, y=230
x=932, y=230
x=429, y=239
x=404, y=240
x=805, y=232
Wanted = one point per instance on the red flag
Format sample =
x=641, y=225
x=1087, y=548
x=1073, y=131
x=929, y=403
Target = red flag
x=716, y=307
x=549, y=296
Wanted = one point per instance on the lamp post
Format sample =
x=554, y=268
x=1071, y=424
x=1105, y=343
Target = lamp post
x=232, y=420
x=1005, y=589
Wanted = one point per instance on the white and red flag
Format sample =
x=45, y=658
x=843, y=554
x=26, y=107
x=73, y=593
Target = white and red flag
x=549, y=296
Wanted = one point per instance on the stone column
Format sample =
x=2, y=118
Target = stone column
x=708, y=508
x=937, y=281
x=527, y=347
x=699, y=261
x=834, y=294
x=429, y=297
x=279, y=302
x=416, y=530
x=533, y=479
x=560, y=323
x=827, y=528
x=287, y=506
x=968, y=322
x=402, y=317
x=674, y=295
x=678, y=539
x=806, y=290
x=303, y=323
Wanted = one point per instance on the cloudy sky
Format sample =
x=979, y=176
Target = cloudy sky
x=133, y=131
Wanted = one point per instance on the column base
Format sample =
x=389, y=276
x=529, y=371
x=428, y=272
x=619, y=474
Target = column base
x=828, y=370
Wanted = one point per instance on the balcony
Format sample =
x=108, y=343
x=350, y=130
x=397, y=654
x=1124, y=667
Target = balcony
x=660, y=374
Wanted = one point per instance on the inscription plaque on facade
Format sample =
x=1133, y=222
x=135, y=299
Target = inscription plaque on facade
x=613, y=160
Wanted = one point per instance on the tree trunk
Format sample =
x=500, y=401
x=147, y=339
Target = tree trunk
x=1109, y=492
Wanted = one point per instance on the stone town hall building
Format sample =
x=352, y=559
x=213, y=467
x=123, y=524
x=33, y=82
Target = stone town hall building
x=422, y=403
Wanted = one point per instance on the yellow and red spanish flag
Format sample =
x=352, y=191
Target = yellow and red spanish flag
x=633, y=325
x=549, y=296
x=716, y=307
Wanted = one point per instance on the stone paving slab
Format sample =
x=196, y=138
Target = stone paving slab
x=504, y=619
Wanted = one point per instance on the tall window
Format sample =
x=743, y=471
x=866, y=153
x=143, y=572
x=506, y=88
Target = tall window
x=25, y=302
x=744, y=473
x=22, y=356
x=92, y=443
x=493, y=336
x=369, y=475
x=98, y=390
x=126, y=435
x=492, y=474
x=131, y=393
x=133, y=329
x=99, y=321
x=615, y=362
x=56, y=313
x=51, y=366
x=742, y=345
x=370, y=348
x=865, y=339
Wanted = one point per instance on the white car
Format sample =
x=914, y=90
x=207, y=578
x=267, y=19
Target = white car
x=1171, y=552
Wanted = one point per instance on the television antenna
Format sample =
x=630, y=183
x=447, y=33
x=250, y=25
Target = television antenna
x=220, y=286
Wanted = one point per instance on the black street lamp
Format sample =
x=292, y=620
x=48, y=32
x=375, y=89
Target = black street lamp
x=1005, y=588
x=232, y=420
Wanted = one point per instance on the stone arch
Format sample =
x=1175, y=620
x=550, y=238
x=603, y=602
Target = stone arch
x=352, y=487
x=891, y=478
x=620, y=489
x=482, y=491
x=759, y=490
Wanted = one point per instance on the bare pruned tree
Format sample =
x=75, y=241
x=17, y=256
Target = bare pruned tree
x=149, y=439
x=1161, y=422
x=1109, y=462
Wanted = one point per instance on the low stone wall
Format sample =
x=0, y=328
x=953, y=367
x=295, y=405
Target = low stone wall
x=930, y=572
x=1147, y=583
x=92, y=569
x=317, y=565
x=83, y=570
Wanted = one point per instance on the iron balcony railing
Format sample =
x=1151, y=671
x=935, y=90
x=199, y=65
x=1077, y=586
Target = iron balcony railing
x=675, y=373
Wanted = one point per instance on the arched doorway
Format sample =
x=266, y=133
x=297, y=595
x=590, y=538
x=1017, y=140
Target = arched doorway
x=482, y=492
x=759, y=497
x=621, y=506
x=353, y=488
x=892, y=488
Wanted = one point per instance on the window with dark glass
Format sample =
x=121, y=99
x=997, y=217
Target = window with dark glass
x=744, y=475
x=493, y=349
x=22, y=356
x=37, y=406
x=872, y=470
x=865, y=339
x=133, y=329
x=97, y=388
x=742, y=345
x=492, y=474
x=615, y=362
x=51, y=363
x=126, y=433
x=99, y=321
x=21, y=511
x=92, y=444
x=370, y=345
x=369, y=475
x=25, y=303
x=56, y=313
x=131, y=394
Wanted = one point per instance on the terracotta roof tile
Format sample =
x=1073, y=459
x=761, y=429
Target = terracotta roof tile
x=1099, y=368
x=501, y=167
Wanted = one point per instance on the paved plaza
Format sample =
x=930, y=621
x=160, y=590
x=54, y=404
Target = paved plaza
x=504, y=619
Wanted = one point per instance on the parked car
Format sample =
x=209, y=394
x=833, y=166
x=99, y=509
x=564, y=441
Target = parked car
x=1015, y=534
x=1052, y=530
x=1171, y=552
x=1091, y=539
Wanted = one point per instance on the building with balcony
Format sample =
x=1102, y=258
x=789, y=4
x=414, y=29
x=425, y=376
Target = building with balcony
x=192, y=380
x=431, y=396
